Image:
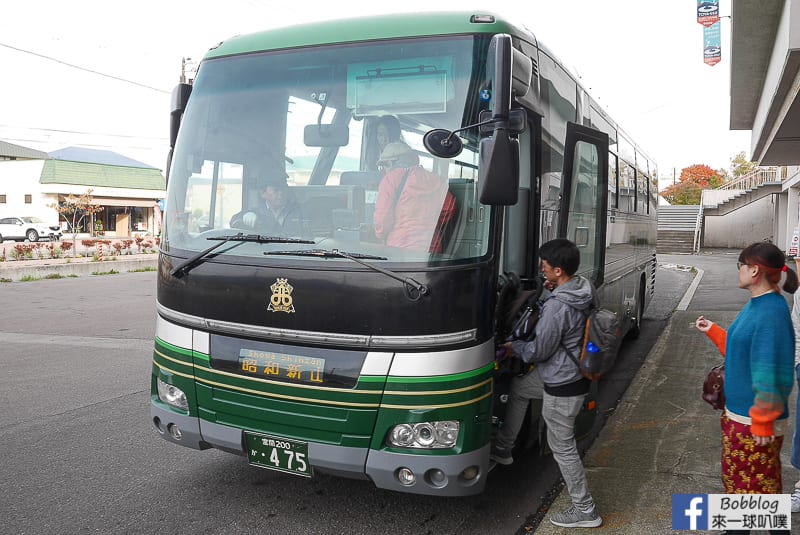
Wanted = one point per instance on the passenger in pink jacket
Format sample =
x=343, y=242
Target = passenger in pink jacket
x=413, y=204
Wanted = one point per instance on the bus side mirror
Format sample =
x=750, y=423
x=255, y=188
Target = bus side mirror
x=498, y=158
x=180, y=98
x=498, y=155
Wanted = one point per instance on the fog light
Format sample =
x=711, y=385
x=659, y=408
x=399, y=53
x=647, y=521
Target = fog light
x=436, y=477
x=406, y=477
x=469, y=473
x=174, y=431
x=157, y=424
x=172, y=395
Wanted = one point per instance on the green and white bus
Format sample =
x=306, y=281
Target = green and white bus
x=325, y=349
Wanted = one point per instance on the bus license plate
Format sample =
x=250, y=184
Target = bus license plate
x=276, y=453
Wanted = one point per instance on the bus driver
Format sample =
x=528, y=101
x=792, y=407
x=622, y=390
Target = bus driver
x=278, y=215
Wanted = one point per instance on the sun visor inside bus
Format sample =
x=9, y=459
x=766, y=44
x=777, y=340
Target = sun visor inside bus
x=397, y=87
x=326, y=135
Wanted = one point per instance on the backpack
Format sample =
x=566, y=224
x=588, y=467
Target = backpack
x=601, y=340
x=519, y=312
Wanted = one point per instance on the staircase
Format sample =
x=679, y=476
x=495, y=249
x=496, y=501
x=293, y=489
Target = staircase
x=742, y=191
x=676, y=229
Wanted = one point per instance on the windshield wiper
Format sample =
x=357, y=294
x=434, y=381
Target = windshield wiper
x=324, y=253
x=414, y=289
x=191, y=263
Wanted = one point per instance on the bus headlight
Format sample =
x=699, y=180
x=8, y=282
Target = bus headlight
x=172, y=395
x=425, y=435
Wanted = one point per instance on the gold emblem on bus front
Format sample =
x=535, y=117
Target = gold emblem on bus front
x=281, y=298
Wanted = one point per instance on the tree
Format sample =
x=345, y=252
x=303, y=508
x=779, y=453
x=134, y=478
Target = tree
x=693, y=180
x=740, y=166
x=76, y=211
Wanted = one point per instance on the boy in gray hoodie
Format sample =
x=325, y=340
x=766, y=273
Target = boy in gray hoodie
x=559, y=333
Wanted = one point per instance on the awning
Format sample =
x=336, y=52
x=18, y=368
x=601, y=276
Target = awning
x=117, y=201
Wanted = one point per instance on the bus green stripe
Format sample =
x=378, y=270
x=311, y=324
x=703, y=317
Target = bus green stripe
x=181, y=350
x=173, y=348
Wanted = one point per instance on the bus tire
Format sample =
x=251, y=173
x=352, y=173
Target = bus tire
x=636, y=325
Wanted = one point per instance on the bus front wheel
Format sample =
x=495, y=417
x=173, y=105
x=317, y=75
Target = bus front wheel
x=636, y=321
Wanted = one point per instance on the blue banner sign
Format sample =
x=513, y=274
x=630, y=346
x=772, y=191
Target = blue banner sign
x=712, y=49
x=707, y=12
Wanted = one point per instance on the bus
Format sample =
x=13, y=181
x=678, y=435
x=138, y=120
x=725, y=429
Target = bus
x=328, y=349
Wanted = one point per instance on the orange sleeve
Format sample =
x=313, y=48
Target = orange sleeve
x=718, y=335
x=762, y=416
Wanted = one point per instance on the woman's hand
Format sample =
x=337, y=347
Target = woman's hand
x=702, y=324
x=763, y=441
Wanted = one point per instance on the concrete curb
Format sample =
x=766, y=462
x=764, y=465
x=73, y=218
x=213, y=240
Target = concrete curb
x=40, y=269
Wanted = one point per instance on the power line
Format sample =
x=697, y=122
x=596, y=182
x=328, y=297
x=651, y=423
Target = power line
x=81, y=132
x=81, y=144
x=84, y=68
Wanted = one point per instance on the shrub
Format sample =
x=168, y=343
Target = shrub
x=22, y=251
x=87, y=244
x=53, y=249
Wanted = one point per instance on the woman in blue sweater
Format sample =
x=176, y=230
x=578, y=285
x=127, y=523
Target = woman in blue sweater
x=759, y=365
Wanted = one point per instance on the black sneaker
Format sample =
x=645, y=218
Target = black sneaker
x=501, y=455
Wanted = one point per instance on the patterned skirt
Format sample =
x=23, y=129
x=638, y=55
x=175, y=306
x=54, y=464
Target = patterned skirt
x=747, y=468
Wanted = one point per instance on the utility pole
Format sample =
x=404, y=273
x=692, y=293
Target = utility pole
x=184, y=63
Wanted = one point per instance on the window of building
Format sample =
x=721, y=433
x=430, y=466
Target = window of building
x=2, y=199
x=28, y=199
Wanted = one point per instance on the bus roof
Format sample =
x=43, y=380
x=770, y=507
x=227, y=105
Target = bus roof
x=366, y=29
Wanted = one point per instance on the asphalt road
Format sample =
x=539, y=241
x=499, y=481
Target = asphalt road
x=79, y=454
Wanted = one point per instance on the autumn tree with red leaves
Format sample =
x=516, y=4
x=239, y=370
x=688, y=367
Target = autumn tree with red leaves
x=693, y=180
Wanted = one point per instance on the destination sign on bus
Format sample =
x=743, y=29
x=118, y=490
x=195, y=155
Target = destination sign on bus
x=281, y=365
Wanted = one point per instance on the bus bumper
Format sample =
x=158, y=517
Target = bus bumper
x=442, y=475
x=176, y=427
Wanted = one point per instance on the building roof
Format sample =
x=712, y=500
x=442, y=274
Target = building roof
x=16, y=151
x=765, y=58
x=101, y=175
x=80, y=154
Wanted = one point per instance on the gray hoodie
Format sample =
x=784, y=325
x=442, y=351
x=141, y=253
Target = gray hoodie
x=559, y=332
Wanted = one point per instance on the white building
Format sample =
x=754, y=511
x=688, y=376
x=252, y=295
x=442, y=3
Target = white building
x=32, y=184
x=765, y=69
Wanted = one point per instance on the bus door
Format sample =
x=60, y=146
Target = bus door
x=585, y=197
x=584, y=202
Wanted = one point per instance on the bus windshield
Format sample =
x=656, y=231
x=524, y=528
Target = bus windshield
x=325, y=144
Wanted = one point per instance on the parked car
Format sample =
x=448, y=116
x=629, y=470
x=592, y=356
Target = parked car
x=27, y=228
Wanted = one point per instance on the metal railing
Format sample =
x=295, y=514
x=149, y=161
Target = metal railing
x=754, y=179
x=698, y=228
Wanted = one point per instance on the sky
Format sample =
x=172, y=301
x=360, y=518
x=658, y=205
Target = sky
x=99, y=74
